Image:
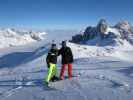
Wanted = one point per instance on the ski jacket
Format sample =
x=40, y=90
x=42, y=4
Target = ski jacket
x=67, y=56
x=52, y=56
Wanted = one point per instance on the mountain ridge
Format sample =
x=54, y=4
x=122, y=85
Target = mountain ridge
x=103, y=34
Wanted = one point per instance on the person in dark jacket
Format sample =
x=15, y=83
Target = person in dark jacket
x=51, y=60
x=67, y=60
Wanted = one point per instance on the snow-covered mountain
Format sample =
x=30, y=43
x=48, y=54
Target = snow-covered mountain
x=105, y=40
x=13, y=37
x=105, y=35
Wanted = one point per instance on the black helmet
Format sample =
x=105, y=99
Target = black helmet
x=53, y=46
x=63, y=43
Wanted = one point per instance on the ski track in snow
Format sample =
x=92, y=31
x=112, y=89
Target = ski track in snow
x=10, y=92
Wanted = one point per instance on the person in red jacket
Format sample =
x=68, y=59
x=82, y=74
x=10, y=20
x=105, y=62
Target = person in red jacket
x=67, y=60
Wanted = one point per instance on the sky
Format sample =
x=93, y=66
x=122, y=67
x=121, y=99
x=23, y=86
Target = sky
x=63, y=14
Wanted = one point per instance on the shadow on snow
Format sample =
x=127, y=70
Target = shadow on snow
x=16, y=58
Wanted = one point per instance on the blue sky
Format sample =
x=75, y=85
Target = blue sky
x=62, y=14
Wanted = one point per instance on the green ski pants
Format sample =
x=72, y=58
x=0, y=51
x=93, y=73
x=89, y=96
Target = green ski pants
x=52, y=70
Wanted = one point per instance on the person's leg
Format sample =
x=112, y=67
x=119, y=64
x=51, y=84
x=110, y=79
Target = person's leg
x=62, y=71
x=50, y=72
x=70, y=71
x=54, y=78
x=53, y=74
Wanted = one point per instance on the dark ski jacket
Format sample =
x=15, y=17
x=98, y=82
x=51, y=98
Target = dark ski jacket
x=67, y=56
x=52, y=56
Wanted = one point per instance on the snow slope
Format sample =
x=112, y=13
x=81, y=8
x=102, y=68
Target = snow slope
x=99, y=73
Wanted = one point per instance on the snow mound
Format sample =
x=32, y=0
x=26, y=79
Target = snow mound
x=84, y=51
x=123, y=52
x=12, y=37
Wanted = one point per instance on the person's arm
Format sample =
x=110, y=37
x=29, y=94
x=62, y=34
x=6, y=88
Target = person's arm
x=59, y=52
x=48, y=59
x=71, y=54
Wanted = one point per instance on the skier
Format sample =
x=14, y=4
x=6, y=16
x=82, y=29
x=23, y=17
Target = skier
x=67, y=60
x=51, y=60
